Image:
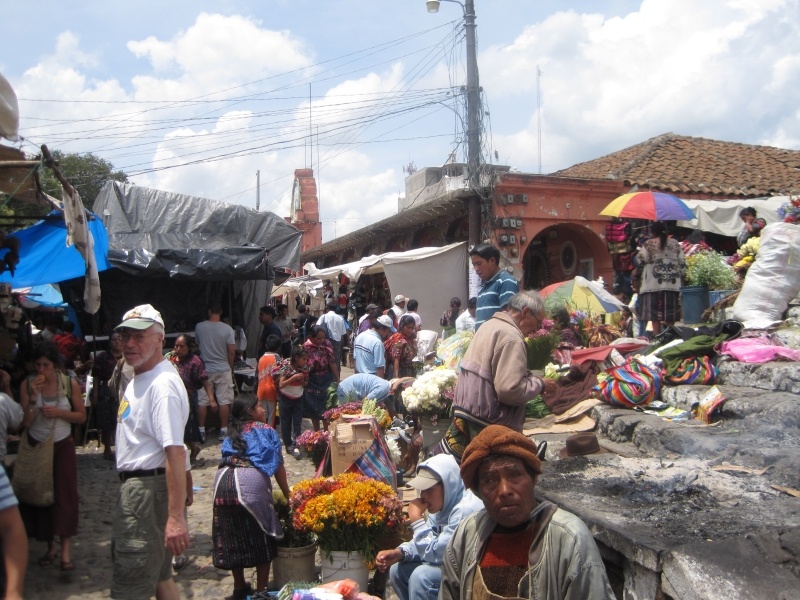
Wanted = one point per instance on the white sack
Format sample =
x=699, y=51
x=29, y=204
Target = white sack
x=773, y=280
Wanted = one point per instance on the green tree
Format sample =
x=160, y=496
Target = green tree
x=86, y=172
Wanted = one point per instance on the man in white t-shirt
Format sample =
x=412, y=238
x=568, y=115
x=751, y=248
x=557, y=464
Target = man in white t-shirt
x=336, y=327
x=217, y=344
x=466, y=320
x=149, y=524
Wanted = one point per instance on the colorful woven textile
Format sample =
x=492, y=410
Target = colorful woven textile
x=376, y=463
x=694, y=370
x=629, y=385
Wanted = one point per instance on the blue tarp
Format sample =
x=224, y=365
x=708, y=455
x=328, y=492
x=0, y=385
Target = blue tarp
x=45, y=258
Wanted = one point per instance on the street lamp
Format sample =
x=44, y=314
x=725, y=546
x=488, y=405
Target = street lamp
x=473, y=119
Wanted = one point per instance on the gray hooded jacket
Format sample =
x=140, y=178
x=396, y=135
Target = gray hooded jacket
x=432, y=534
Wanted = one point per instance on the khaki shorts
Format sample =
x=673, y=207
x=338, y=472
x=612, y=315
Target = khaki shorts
x=137, y=542
x=222, y=383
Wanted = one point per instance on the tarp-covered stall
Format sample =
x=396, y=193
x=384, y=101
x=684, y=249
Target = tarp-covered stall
x=183, y=251
x=430, y=275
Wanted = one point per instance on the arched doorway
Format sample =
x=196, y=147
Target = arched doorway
x=536, y=266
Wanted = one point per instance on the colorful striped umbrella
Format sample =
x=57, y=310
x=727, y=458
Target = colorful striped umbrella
x=655, y=206
x=580, y=294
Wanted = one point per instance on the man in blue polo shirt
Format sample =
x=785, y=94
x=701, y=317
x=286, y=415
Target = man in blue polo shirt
x=498, y=285
x=368, y=349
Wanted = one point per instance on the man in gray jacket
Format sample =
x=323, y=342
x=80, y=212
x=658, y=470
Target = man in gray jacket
x=517, y=547
x=494, y=383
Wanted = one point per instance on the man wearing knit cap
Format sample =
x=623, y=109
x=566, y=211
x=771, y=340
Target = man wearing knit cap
x=517, y=547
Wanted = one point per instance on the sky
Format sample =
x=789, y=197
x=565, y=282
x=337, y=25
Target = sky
x=195, y=97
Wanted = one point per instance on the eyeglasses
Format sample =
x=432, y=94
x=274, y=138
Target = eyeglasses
x=138, y=337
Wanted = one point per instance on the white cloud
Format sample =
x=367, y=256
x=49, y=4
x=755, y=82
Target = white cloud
x=686, y=67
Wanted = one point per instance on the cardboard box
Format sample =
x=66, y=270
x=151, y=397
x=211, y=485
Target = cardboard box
x=349, y=440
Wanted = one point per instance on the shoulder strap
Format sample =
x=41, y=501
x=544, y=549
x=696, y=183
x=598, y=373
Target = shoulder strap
x=65, y=382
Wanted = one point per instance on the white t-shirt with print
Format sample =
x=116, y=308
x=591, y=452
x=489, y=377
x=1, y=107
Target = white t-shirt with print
x=152, y=415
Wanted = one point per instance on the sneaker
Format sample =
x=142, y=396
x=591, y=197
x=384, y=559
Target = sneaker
x=222, y=435
x=202, y=437
x=180, y=561
x=296, y=452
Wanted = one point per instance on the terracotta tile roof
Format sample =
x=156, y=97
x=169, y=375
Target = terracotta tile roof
x=691, y=165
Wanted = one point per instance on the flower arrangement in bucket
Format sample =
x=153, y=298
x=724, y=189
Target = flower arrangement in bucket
x=710, y=269
x=431, y=394
x=347, y=512
x=292, y=537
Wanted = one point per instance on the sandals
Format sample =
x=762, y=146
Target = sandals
x=67, y=565
x=48, y=559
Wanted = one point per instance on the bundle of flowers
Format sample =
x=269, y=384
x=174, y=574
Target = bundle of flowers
x=431, y=393
x=346, y=512
x=746, y=255
x=710, y=269
x=790, y=212
x=348, y=408
x=292, y=537
x=541, y=344
x=315, y=443
x=370, y=407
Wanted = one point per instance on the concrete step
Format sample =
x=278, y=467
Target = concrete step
x=671, y=526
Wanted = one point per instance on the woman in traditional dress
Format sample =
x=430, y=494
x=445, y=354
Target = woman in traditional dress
x=192, y=370
x=663, y=266
x=245, y=528
x=323, y=371
x=104, y=398
x=401, y=349
x=53, y=403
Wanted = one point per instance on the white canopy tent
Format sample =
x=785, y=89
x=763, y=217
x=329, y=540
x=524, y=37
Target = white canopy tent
x=722, y=216
x=430, y=275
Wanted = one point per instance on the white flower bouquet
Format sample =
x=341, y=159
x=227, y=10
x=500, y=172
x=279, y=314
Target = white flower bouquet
x=431, y=393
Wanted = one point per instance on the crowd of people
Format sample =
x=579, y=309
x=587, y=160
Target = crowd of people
x=476, y=522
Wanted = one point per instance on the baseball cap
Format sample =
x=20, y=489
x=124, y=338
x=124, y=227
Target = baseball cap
x=371, y=307
x=424, y=480
x=141, y=317
x=386, y=321
x=400, y=298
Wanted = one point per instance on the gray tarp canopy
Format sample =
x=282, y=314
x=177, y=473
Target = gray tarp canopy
x=178, y=252
x=153, y=232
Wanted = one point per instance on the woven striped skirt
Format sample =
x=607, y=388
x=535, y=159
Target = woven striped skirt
x=662, y=306
x=239, y=541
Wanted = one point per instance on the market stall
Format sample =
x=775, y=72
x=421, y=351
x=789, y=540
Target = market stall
x=430, y=275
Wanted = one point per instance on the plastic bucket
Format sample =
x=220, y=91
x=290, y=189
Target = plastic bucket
x=338, y=564
x=433, y=434
x=694, y=301
x=294, y=564
x=715, y=296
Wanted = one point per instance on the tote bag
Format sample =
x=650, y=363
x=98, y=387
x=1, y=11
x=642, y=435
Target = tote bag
x=33, y=472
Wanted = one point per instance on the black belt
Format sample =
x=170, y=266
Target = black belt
x=125, y=475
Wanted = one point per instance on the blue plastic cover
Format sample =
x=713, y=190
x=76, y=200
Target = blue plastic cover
x=45, y=258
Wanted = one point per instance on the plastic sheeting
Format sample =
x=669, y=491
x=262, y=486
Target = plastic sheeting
x=153, y=232
x=430, y=275
x=44, y=256
x=722, y=216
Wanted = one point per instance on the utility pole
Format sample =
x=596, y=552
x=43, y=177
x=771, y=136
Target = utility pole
x=473, y=127
x=258, y=190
